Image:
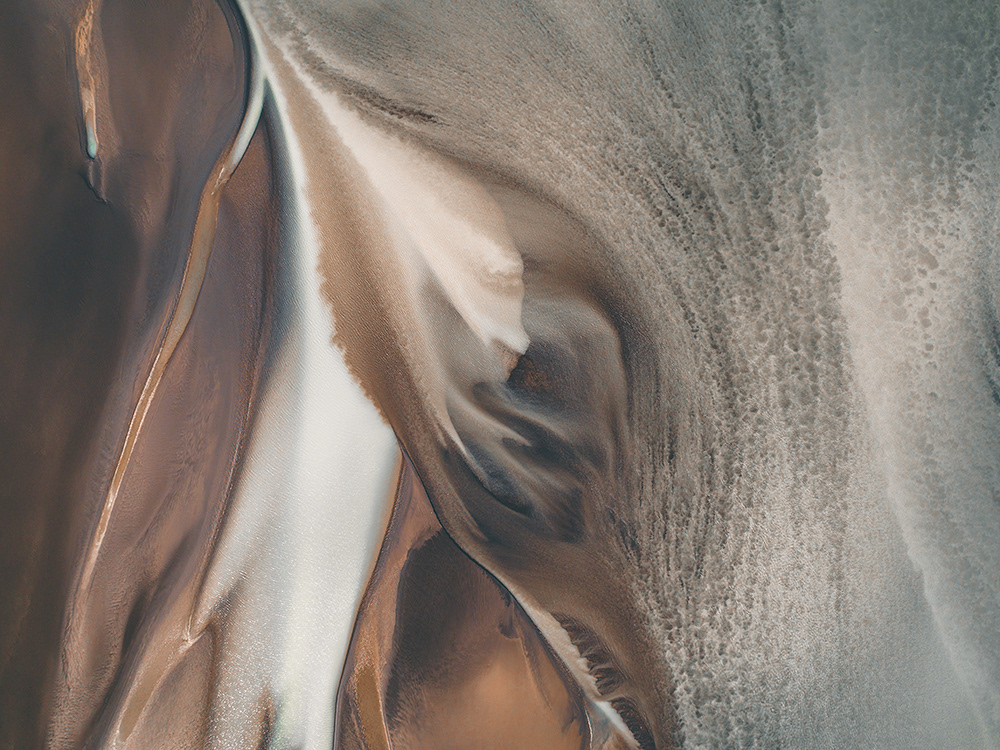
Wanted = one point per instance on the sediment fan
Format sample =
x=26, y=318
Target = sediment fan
x=499, y=374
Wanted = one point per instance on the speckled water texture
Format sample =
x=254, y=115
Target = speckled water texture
x=446, y=375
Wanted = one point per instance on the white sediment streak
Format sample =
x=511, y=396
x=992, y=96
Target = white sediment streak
x=308, y=514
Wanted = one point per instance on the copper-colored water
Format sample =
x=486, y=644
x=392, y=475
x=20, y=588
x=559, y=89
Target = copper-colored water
x=443, y=657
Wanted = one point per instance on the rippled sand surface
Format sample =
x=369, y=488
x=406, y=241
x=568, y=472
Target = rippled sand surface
x=432, y=375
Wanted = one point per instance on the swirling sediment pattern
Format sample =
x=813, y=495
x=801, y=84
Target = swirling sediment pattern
x=500, y=374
